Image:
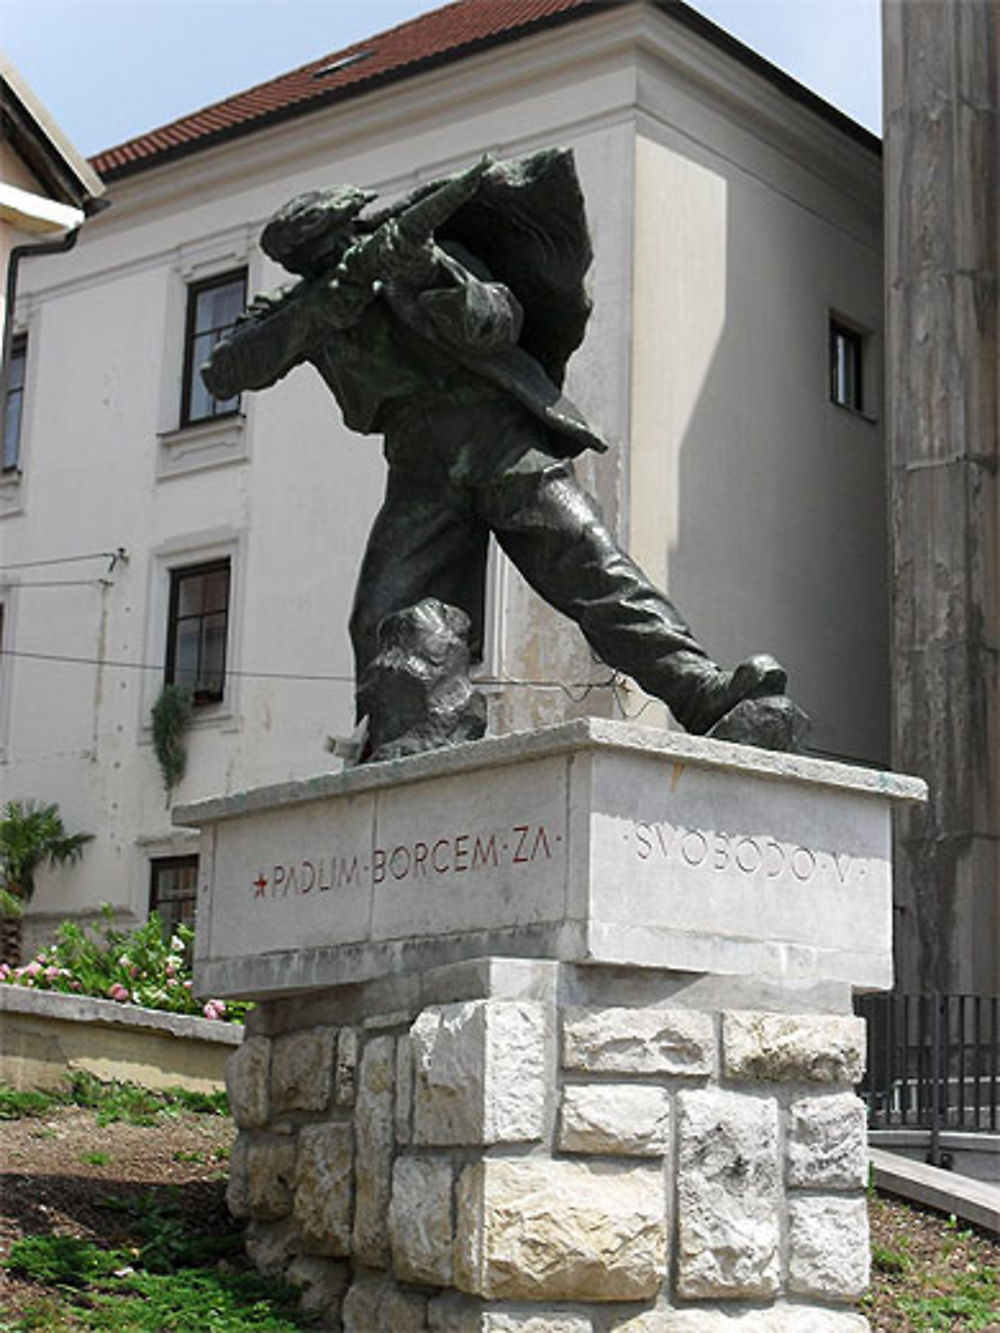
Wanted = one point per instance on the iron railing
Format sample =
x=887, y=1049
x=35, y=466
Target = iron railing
x=933, y=1062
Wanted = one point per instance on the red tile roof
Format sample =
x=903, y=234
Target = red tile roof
x=449, y=33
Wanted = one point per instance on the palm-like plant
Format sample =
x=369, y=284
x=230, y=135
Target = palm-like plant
x=30, y=835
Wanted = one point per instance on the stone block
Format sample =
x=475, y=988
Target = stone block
x=625, y=1119
x=827, y=1143
x=302, y=1070
x=323, y=1188
x=237, y=1183
x=271, y=1246
x=270, y=1179
x=639, y=1041
x=346, y=1071
x=536, y=1229
x=453, y=1313
x=374, y=1143
x=247, y=1081
x=375, y=1304
x=776, y=1048
x=420, y=1231
x=480, y=1073
x=321, y=1284
x=828, y=1247
x=404, y=1089
x=728, y=1195
x=775, y=1319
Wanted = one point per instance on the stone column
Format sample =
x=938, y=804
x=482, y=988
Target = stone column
x=942, y=180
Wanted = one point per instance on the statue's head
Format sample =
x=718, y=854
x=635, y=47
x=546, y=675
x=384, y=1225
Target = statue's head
x=312, y=230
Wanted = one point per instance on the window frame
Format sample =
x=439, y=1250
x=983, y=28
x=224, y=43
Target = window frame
x=18, y=351
x=177, y=575
x=842, y=332
x=159, y=864
x=193, y=290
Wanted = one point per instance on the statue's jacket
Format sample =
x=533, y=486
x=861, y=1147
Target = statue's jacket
x=382, y=347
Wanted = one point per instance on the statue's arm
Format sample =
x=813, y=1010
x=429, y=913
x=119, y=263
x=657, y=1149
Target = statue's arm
x=278, y=333
x=468, y=311
x=458, y=304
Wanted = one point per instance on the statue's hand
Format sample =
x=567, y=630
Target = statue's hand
x=264, y=304
x=406, y=261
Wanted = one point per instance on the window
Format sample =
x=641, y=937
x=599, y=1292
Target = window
x=173, y=890
x=13, y=402
x=212, y=309
x=197, y=629
x=846, y=366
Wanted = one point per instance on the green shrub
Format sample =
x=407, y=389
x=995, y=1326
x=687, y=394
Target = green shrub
x=144, y=966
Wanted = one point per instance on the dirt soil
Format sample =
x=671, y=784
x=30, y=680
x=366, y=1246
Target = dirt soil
x=58, y=1171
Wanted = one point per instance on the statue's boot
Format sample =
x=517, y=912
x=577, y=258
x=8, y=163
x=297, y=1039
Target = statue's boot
x=714, y=692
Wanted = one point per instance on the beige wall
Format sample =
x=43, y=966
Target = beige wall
x=734, y=465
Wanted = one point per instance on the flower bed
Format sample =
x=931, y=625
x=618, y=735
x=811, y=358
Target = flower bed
x=118, y=1004
x=141, y=967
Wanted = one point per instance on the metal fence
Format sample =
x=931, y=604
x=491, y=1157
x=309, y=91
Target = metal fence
x=933, y=1062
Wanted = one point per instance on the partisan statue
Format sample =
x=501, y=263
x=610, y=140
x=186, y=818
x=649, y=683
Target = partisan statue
x=444, y=324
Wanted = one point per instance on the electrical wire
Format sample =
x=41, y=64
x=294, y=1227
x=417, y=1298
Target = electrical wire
x=61, y=583
x=613, y=682
x=116, y=555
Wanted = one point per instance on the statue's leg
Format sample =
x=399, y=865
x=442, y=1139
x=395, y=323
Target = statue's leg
x=553, y=532
x=426, y=542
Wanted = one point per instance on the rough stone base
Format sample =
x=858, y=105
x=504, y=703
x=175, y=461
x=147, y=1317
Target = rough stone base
x=514, y=1146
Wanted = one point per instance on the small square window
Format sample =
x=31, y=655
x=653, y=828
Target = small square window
x=14, y=402
x=847, y=348
x=212, y=309
x=197, y=630
x=173, y=890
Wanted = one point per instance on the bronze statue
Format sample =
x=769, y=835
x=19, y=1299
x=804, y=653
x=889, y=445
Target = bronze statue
x=444, y=324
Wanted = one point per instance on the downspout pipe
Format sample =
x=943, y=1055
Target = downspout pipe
x=61, y=246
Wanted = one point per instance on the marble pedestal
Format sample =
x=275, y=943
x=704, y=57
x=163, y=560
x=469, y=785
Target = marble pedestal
x=554, y=1032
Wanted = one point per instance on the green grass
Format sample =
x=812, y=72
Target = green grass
x=111, y=1291
x=16, y=1105
x=111, y=1101
x=171, y=1281
x=974, y=1299
x=96, y=1158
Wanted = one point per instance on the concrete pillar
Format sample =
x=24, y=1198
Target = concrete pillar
x=942, y=178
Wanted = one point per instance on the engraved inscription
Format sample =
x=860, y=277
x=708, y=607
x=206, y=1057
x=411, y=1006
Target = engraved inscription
x=425, y=859
x=760, y=857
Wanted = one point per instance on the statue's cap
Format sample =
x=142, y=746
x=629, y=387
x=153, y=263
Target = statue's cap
x=310, y=216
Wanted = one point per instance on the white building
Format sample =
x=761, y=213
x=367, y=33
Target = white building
x=736, y=229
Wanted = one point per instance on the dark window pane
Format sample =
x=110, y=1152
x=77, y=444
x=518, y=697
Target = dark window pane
x=13, y=403
x=198, y=629
x=12, y=430
x=846, y=360
x=173, y=890
x=212, y=310
x=218, y=307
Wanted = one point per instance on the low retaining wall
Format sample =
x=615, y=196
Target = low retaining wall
x=45, y=1035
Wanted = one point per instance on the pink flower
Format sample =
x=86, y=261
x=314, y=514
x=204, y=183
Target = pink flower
x=76, y=985
x=118, y=992
x=172, y=981
x=214, y=1009
x=53, y=972
x=32, y=969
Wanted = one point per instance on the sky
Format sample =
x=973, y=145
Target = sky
x=111, y=69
